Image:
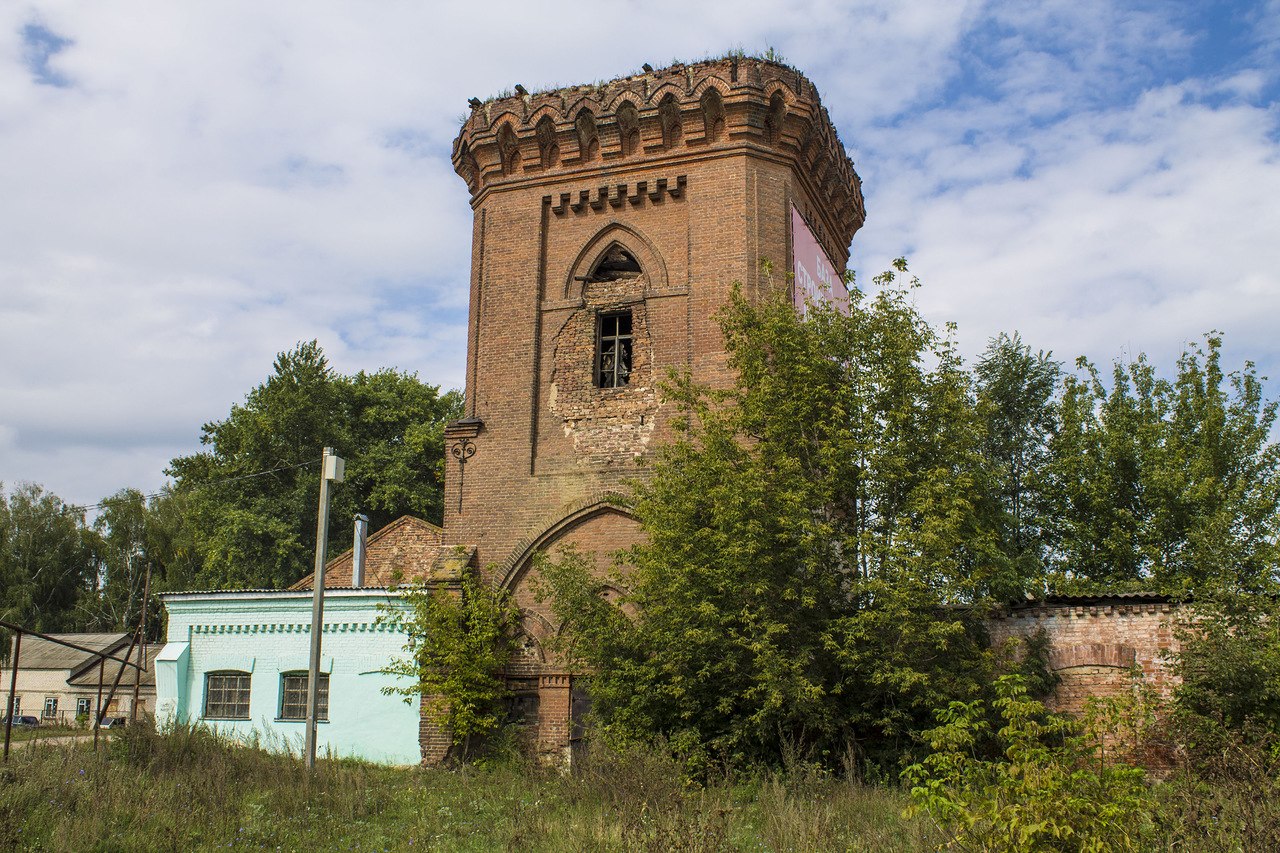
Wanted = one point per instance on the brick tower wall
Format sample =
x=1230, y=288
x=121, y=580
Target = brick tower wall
x=692, y=170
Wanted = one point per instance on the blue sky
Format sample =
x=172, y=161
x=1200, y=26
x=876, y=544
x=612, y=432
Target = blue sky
x=192, y=188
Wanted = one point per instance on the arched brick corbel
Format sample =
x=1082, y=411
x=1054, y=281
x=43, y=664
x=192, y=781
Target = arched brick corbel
x=1115, y=655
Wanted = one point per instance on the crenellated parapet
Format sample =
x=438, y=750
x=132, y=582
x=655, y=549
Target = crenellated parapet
x=716, y=106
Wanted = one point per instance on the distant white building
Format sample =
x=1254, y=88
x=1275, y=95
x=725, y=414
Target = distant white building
x=59, y=684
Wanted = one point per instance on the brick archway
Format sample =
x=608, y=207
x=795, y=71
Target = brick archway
x=512, y=570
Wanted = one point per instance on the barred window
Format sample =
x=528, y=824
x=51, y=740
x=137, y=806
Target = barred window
x=613, y=350
x=293, y=696
x=226, y=695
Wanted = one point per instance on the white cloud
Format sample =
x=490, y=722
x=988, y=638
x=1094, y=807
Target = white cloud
x=1134, y=227
x=219, y=181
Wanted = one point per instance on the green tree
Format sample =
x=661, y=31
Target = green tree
x=140, y=536
x=1016, y=396
x=459, y=642
x=804, y=532
x=47, y=561
x=1171, y=484
x=122, y=526
x=249, y=499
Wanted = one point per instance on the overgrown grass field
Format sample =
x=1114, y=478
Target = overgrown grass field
x=187, y=790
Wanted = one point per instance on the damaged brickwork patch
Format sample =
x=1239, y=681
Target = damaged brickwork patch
x=608, y=426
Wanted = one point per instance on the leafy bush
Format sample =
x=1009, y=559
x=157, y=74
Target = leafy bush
x=1047, y=789
x=1229, y=663
x=458, y=644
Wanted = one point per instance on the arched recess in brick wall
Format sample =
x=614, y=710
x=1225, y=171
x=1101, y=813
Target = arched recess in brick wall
x=530, y=653
x=1117, y=655
x=1090, y=671
x=548, y=148
x=628, y=128
x=775, y=117
x=615, y=233
x=588, y=135
x=508, y=150
x=713, y=118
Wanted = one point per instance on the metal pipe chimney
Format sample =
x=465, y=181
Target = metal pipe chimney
x=357, y=551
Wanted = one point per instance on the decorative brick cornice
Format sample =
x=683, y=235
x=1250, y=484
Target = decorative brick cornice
x=293, y=628
x=555, y=680
x=617, y=195
x=1081, y=611
x=659, y=117
x=465, y=428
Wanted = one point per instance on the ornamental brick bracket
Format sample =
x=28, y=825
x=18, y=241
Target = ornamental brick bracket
x=459, y=438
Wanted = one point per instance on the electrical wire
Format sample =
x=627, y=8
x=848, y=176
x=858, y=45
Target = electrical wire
x=106, y=501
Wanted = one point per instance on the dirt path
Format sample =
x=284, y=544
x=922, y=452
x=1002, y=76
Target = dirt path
x=52, y=740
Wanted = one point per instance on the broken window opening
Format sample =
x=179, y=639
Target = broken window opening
x=615, y=264
x=613, y=350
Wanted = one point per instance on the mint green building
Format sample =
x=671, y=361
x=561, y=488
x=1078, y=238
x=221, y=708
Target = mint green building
x=237, y=662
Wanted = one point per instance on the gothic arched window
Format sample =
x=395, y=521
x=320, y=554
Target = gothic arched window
x=629, y=128
x=669, y=116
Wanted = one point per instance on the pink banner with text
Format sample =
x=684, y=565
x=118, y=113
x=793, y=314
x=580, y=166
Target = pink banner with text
x=816, y=279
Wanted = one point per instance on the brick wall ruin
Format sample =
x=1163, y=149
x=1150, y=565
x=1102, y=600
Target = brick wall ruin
x=1099, y=645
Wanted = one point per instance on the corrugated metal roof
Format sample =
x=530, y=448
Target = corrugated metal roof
x=293, y=592
x=1095, y=600
x=38, y=653
x=88, y=674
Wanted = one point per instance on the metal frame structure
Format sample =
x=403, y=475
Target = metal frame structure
x=102, y=657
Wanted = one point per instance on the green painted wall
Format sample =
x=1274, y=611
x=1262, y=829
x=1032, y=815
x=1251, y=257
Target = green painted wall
x=268, y=633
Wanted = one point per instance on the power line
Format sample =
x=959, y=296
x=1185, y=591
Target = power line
x=104, y=502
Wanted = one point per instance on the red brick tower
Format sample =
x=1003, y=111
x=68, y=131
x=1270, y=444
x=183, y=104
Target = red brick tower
x=611, y=222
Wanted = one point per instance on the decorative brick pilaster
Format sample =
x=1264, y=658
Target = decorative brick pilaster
x=554, y=696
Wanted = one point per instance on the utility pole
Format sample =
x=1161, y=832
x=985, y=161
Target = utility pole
x=331, y=469
x=142, y=647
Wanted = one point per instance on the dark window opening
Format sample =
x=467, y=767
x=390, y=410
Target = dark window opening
x=522, y=702
x=293, y=696
x=617, y=263
x=613, y=350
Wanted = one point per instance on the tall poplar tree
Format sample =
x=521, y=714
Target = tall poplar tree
x=1017, y=392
